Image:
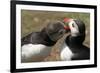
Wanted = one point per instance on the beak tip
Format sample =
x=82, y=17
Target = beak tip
x=66, y=28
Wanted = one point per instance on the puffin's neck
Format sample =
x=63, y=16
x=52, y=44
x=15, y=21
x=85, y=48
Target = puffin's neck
x=46, y=38
x=74, y=41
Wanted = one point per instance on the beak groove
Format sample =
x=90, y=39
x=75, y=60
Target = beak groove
x=67, y=20
x=67, y=29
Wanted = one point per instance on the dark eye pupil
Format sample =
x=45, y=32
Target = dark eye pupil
x=73, y=25
x=61, y=32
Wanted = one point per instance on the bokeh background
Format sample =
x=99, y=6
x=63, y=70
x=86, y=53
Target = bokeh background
x=33, y=21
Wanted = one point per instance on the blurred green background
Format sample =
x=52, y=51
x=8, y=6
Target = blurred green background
x=33, y=21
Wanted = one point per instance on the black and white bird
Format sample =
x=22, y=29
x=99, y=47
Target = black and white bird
x=37, y=45
x=73, y=48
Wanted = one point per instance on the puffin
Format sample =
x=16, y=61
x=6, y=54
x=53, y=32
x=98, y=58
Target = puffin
x=72, y=47
x=36, y=46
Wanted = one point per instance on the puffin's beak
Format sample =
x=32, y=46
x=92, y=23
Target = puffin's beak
x=66, y=21
x=67, y=29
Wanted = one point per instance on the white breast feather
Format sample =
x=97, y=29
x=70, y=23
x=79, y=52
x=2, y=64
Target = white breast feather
x=35, y=50
x=66, y=53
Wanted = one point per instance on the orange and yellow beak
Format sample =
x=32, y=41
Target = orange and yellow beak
x=67, y=20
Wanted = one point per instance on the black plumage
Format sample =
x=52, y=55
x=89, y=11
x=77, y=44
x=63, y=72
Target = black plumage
x=38, y=38
x=80, y=51
x=47, y=36
x=73, y=48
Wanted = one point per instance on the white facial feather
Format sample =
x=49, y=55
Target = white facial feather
x=74, y=28
x=35, y=50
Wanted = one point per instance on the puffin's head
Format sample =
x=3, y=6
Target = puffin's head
x=55, y=30
x=77, y=27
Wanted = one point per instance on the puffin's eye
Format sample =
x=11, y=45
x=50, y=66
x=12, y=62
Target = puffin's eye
x=73, y=25
x=61, y=32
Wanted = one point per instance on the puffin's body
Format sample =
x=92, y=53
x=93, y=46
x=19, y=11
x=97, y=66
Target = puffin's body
x=73, y=48
x=37, y=45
